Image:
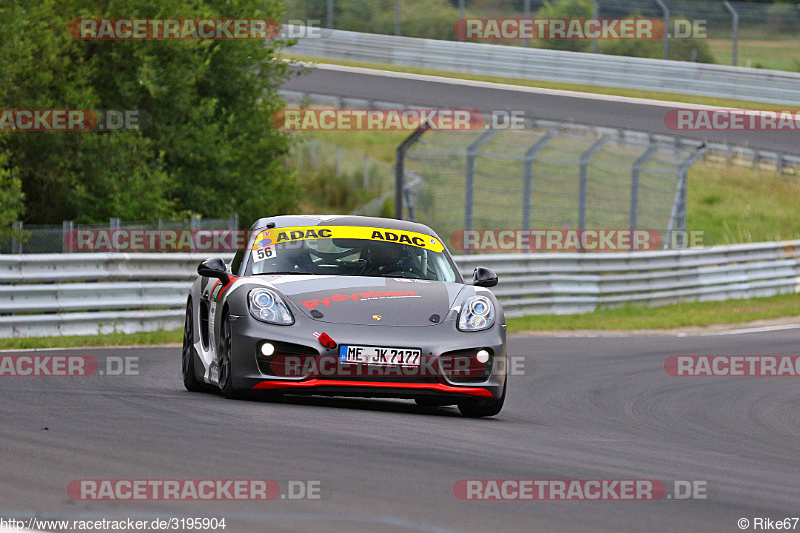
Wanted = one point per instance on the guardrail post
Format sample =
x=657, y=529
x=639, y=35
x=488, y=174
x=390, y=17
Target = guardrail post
x=330, y=14
x=66, y=236
x=527, y=191
x=735, y=31
x=472, y=151
x=399, y=168
x=637, y=166
x=665, y=9
x=584, y=183
x=16, y=229
x=677, y=218
x=397, y=17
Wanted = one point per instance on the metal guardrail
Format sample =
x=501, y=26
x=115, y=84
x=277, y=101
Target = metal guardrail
x=84, y=294
x=555, y=65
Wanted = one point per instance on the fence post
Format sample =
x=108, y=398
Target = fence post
x=66, y=236
x=530, y=155
x=330, y=14
x=194, y=223
x=113, y=224
x=16, y=246
x=637, y=166
x=527, y=42
x=735, y=31
x=397, y=17
x=677, y=218
x=233, y=221
x=399, y=168
x=665, y=9
x=312, y=153
x=584, y=183
x=472, y=150
x=596, y=15
x=338, y=160
x=365, y=183
x=461, y=12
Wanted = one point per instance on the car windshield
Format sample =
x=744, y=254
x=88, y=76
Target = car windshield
x=350, y=251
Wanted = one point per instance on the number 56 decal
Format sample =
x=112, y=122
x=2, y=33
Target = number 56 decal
x=261, y=254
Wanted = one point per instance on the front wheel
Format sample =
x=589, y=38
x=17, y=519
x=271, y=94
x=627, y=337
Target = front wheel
x=188, y=354
x=225, y=364
x=483, y=408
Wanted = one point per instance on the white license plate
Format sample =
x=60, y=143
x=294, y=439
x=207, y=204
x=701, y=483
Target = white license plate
x=375, y=355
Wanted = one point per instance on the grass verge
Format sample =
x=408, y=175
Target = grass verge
x=695, y=314
x=86, y=341
x=593, y=89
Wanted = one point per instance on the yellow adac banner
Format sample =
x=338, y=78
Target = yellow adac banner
x=274, y=236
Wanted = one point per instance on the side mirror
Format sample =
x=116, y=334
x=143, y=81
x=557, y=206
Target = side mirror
x=484, y=277
x=214, y=268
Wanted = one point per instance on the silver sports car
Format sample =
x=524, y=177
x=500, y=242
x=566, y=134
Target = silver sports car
x=346, y=306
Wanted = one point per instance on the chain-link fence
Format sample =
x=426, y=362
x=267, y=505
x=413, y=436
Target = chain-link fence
x=550, y=180
x=761, y=34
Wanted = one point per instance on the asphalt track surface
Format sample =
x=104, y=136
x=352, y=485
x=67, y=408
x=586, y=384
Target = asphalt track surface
x=584, y=408
x=580, y=108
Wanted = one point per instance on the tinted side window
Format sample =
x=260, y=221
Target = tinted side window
x=236, y=264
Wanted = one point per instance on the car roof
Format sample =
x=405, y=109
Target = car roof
x=284, y=221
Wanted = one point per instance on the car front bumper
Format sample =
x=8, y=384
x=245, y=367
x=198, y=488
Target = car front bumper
x=443, y=348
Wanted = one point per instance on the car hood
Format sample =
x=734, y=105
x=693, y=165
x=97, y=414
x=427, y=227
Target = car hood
x=370, y=300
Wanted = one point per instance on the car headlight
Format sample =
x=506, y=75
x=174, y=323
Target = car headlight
x=267, y=306
x=477, y=313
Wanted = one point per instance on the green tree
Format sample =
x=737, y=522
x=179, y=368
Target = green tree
x=210, y=147
x=11, y=195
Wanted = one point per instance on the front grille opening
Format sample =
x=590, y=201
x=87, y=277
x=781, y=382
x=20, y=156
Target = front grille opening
x=461, y=366
x=288, y=360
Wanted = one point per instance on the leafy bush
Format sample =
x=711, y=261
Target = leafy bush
x=567, y=9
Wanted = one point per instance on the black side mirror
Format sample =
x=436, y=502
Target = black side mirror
x=214, y=268
x=484, y=277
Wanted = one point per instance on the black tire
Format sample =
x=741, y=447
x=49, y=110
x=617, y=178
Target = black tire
x=483, y=408
x=188, y=354
x=225, y=363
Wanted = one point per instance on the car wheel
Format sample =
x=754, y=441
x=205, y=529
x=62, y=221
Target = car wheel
x=225, y=364
x=188, y=354
x=483, y=408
